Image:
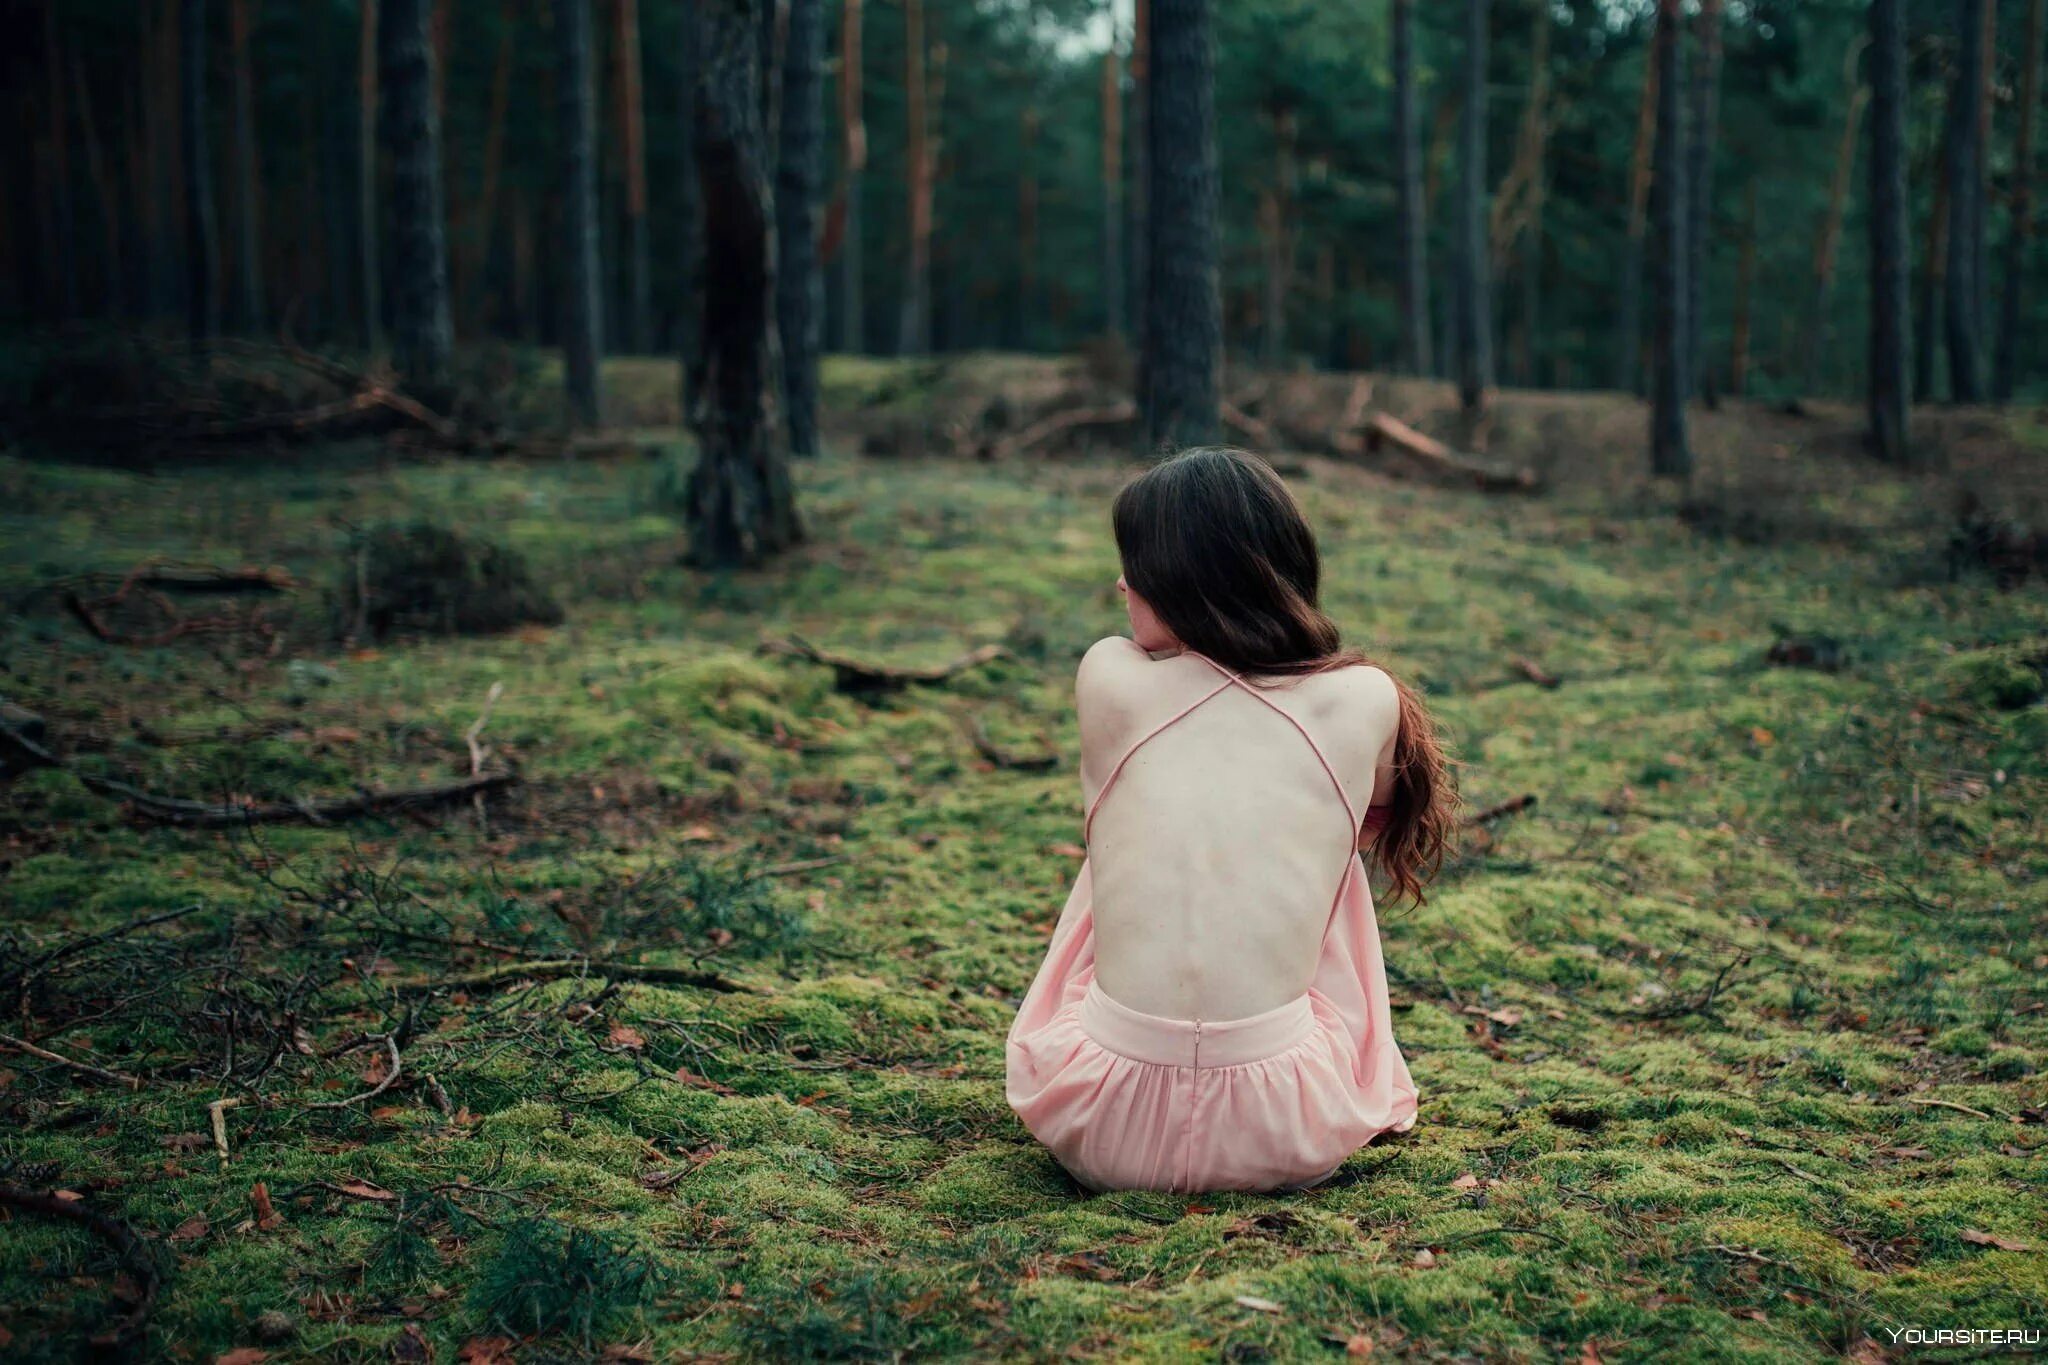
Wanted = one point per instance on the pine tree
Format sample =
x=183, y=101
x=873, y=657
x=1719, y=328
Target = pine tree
x=1183, y=334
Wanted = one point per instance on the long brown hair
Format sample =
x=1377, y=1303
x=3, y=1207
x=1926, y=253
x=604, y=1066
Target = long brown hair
x=1215, y=543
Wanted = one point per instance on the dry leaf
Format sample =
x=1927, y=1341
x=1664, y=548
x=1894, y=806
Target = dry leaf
x=1991, y=1239
x=192, y=1229
x=1359, y=1346
x=486, y=1351
x=1425, y=1258
x=363, y=1189
x=187, y=1142
x=1067, y=850
x=267, y=1217
x=1466, y=1181
x=242, y=1355
x=626, y=1036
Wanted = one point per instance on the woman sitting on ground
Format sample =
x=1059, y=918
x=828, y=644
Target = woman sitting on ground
x=1212, y=1010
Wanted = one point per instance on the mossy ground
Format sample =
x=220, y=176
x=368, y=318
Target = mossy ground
x=1678, y=1029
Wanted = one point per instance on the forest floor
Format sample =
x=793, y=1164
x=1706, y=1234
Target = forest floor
x=1731, y=1047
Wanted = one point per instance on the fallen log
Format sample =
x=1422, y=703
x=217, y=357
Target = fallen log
x=1501, y=811
x=1383, y=427
x=1003, y=758
x=1262, y=435
x=22, y=753
x=555, y=968
x=860, y=677
x=1047, y=427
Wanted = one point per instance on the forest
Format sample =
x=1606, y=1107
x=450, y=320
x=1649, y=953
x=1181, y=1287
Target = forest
x=544, y=549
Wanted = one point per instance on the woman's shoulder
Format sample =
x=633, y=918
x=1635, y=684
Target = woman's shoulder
x=1109, y=663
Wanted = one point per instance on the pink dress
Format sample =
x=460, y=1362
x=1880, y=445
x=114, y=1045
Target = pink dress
x=1270, y=1101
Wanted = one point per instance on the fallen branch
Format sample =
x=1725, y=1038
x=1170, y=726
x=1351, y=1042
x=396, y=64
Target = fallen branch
x=1261, y=434
x=1047, y=427
x=23, y=753
x=1946, y=1104
x=1501, y=811
x=129, y=1244
x=791, y=869
x=856, y=676
x=1383, y=427
x=390, y=1042
x=1535, y=672
x=554, y=969
x=23, y=1045
x=1003, y=758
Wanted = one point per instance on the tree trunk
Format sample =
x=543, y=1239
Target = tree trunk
x=422, y=332
x=741, y=499
x=1828, y=241
x=1967, y=107
x=1278, y=235
x=1745, y=289
x=248, y=187
x=1475, y=289
x=1706, y=108
x=914, y=330
x=689, y=199
x=202, y=261
x=799, y=291
x=583, y=305
x=1933, y=273
x=1139, y=222
x=366, y=178
x=1414, y=231
x=64, y=249
x=1669, y=454
x=1112, y=185
x=1887, y=392
x=471, y=275
x=853, y=154
x=2019, y=235
x=107, y=190
x=1629, y=338
x=1183, y=336
x=1027, y=224
x=633, y=147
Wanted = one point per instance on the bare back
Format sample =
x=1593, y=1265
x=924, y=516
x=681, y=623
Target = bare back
x=1218, y=847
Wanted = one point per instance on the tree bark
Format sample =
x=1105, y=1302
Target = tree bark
x=422, y=332
x=1706, y=109
x=108, y=191
x=633, y=148
x=1112, y=185
x=799, y=291
x=202, y=260
x=1183, y=335
x=248, y=185
x=64, y=249
x=1475, y=289
x=1278, y=235
x=1027, y=225
x=1629, y=338
x=1933, y=277
x=471, y=275
x=1889, y=318
x=1669, y=454
x=689, y=198
x=583, y=304
x=1416, y=350
x=366, y=178
x=2019, y=237
x=1827, y=241
x=853, y=154
x=741, y=499
x=914, y=335
x=1966, y=110
x=1745, y=289
x=1139, y=221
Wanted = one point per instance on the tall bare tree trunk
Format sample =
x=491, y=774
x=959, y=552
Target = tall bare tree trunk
x=1669, y=454
x=248, y=183
x=1706, y=109
x=914, y=331
x=1277, y=233
x=853, y=159
x=799, y=291
x=202, y=260
x=473, y=266
x=1889, y=320
x=1416, y=351
x=1027, y=224
x=107, y=190
x=2019, y=237
x=1968, y=112
x=366, y=178
x=1112, y=185
x=1475, y=288
x=1827, y=241
x=1745, y=289
x=1183, y=339
x=741, y=499
x=1139, y=222
x=1629, y=331
x=64, y=249
x=633, y=147
x=583, y=310
x=422, y=331
x=1933, y=279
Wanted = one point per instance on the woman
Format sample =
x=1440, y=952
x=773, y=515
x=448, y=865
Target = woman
x=1212, y=1010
